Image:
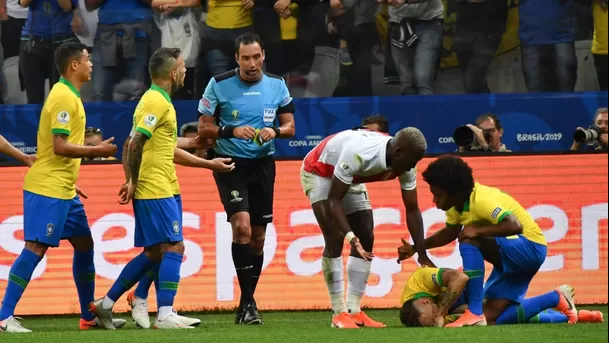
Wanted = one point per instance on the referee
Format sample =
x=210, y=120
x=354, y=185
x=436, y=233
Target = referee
x=240, y=109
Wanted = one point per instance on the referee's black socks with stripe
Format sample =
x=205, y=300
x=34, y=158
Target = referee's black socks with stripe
x=258, y=260
x=242, y=257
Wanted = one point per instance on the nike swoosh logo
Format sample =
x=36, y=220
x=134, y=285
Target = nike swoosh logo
x=3, y=328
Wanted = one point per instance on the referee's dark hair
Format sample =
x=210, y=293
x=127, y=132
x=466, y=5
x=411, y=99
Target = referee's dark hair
x=66, y=53
x=189, y=128
x=247, y=39
x=451, y=174
x=162, y=62
x=379, y=120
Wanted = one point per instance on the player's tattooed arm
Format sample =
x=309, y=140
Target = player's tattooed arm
x=125, y=159
x=455, y=282
x=136, y=151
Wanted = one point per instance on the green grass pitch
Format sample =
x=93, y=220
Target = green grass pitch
x=305, y=327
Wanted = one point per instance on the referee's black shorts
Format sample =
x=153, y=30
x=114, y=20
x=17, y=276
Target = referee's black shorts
x=248, y=188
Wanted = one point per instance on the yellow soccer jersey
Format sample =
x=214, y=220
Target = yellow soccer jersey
x=489, y=206
x=63, y=113
x=424, y=282
x=155, y=117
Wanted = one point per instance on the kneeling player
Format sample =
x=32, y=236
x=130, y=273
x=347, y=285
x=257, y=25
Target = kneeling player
x=496, y=228
x=332, y=177
x=434, y=296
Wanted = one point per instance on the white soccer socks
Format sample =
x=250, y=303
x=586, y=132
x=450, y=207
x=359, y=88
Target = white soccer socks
x=358, y=272
x=335, y=280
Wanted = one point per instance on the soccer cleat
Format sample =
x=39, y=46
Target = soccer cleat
x=343, y=321
x=362, y=319
x=139, y=311
x=171, y=322
x=468, y=319
x=104, y=316
x=251, y=316
x=188, y=321
x=585, y=316
x=96, y=324
x=12, y=325
x=566, y=303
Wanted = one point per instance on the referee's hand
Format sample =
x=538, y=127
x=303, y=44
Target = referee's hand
x=245, y=132
x=222, y=165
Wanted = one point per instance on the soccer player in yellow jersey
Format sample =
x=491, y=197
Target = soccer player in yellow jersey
x=52, y=209
x=158, y=226
x=434, y=296
x=138, y=298
x=491, y=226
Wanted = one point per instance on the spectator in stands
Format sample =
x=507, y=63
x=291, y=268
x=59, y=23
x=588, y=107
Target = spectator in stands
x=48, y=25
x=480, y=26
x=361, y=39
x=600, y=45
x=547, y=42
x=416, y=37
x=94, y=137
x=600, y=125
x=488, y=132
x=122, y=44
x=12, y=19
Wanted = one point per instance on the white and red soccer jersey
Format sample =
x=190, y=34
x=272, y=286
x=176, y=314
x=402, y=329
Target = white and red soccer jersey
x=354, y=157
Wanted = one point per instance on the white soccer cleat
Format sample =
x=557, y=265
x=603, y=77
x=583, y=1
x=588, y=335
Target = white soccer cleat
x=12, y=325
x=171, y=322
x=139, y=311
x=188, y=321
x=104, y=315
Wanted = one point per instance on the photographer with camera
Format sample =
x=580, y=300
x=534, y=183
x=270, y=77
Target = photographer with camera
x=595, y=137
x=484, y=136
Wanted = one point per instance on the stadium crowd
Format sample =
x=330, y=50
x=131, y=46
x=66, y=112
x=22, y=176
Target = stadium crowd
x=321, y=48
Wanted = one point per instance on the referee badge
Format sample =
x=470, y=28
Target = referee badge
x=269, y=116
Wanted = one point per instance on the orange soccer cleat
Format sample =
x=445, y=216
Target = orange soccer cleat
x=585, y=316
x=343, y=321
x=468, y=319
x=96, y=324
x=566, y=304
x=362, y=319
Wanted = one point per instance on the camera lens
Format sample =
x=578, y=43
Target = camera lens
x=464, y=136
x=587, y=135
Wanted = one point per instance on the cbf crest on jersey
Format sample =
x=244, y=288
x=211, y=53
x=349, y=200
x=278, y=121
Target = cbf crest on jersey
x=50, y=229
x=176, y=227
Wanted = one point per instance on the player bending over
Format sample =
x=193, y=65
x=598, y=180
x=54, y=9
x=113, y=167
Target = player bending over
x=491, y=226
x=434, y=296
x=158, y=227
x=52, y=209
x=138, y=298
x=332, y=177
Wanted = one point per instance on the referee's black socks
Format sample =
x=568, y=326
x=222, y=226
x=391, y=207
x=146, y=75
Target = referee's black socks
x=242, y=257
x=258, y=260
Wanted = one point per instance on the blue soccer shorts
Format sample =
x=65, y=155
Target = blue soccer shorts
x=521, y=259
x=49, y=220
x=157, y=221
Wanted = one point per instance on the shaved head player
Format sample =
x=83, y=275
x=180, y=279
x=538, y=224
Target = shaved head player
x=332, y=177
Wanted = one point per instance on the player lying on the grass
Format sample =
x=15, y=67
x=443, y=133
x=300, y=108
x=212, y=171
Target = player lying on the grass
x=52, y=209
x=434, y=297
x=7, y=149
x=138, y=298
x=332, y=177
x=491, y=226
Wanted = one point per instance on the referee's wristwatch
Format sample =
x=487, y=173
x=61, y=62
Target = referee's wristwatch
x=277, y=131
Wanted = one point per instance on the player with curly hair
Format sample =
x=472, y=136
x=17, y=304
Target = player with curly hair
x=491, y=226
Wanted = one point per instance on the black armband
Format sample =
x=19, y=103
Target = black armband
x=226, y=131
x=289, y=108
x=277, y=131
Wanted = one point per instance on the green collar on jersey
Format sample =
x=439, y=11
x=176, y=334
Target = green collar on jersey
x=162, y=91
x=70, y=85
